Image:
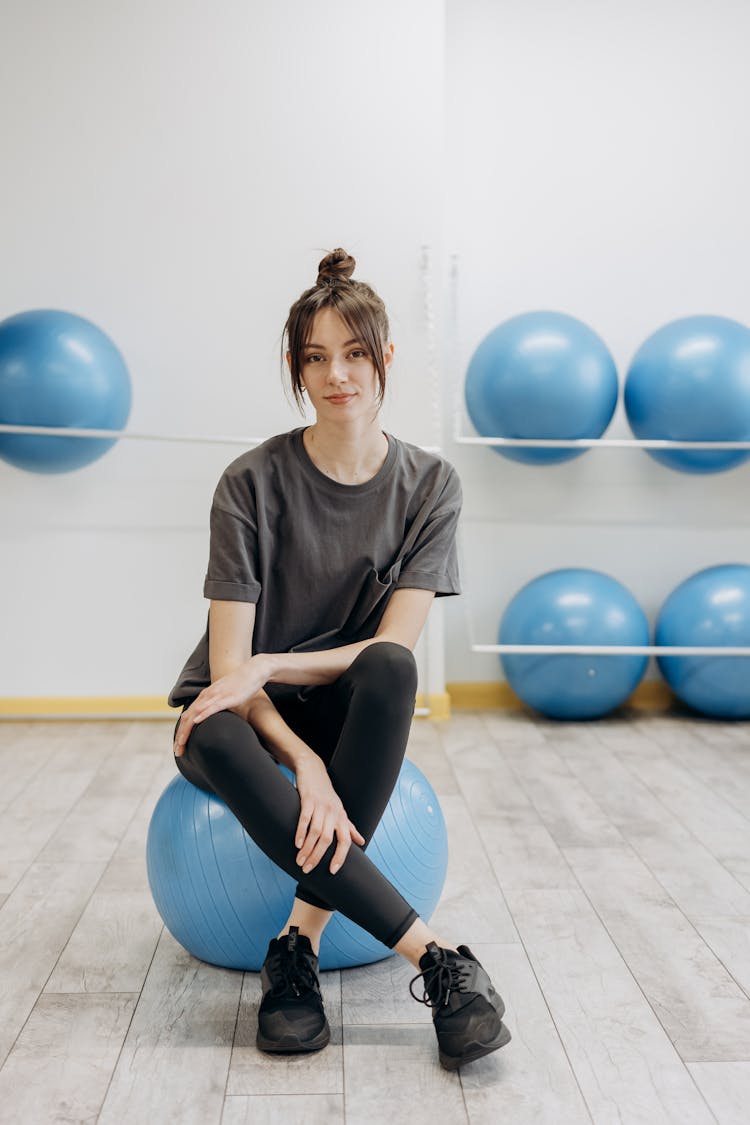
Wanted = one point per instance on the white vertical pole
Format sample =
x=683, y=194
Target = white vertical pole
x=432, y=666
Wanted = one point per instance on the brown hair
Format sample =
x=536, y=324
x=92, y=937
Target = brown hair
x=357, y=304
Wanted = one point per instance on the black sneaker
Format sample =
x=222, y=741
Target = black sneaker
x=467, y=1011
x=291, y=1016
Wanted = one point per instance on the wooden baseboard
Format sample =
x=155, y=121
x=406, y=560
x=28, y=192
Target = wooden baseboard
x=653, y=695
x=87, y=707
x=483, y=696
x=436, y=704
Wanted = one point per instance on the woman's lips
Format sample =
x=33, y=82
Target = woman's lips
x=338, y=399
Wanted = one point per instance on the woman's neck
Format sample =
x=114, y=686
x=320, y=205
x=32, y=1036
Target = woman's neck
x=350, y=455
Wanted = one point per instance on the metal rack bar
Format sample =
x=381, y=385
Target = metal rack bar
x=617, y=650
x=604, y=443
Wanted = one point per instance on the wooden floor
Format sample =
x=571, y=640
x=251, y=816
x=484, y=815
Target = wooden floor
x=601, y=872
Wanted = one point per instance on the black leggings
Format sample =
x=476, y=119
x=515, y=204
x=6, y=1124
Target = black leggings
x=359, y=726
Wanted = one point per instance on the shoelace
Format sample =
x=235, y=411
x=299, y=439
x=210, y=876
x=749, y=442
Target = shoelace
x=446, y=976
x=295, y=974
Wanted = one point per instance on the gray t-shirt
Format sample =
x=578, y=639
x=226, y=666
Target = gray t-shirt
x=321, y=559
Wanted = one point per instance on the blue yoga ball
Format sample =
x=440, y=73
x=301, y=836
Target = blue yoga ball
x=711, y=608
x=223, y=899
x=57, y=369
x=569, y=607
x=541, y=375
x=690, y=381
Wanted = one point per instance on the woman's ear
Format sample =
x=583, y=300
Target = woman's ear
x=388, y=352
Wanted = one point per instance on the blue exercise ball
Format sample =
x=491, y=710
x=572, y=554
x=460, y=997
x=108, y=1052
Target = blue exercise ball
x=541, y=375
x=690, y=381
x=57, y=369
x=711, y=608
x=569, y=607
x=223, y=900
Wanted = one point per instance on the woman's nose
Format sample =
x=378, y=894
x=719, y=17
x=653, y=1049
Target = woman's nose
x=337, y=371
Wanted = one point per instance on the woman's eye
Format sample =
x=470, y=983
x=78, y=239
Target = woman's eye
x=358, y=353
x=313, y=358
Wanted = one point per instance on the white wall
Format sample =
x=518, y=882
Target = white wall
x=597, y=163
x=173, y=171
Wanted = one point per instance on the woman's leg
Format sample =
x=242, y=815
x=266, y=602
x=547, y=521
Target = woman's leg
x=367, y=715
x=359, y=726
x=225, y=756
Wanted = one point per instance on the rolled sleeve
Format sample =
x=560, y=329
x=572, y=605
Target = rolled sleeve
x=432, y=562
x=232, y=573
x=230, y=591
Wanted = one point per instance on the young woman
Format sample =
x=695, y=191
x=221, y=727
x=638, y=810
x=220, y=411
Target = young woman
x=328, y=545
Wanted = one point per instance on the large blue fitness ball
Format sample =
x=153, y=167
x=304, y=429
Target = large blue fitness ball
x=568, y=607
x=57, y=369
x=541, y=375
x=223, y=899
x=711, y=608
x=690, y=381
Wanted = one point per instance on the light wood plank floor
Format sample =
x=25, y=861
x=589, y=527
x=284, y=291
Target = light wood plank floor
x=601, y=871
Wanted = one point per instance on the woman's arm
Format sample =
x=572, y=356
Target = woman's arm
x=402, y=622
x=230, y=633
x=241, y=678
x=321, y=812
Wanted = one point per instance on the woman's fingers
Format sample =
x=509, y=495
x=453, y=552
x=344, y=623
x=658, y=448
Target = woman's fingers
x=346, y=834
x=188, y=719
x=310, y=842
x=303, y=824
x=209, y=702
x=319, y=839
x=355, y=834
x=322, y=844
x=228, y=692
x=183, y=733
x=344, y=841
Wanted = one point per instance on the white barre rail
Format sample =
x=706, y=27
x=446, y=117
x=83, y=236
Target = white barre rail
x=616, y=650
x=136, y=435
x=133, y=435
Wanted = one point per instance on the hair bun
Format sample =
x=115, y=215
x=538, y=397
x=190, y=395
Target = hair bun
x=336, y=266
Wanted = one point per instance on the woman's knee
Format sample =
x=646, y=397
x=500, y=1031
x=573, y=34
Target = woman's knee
x=216, y=740
x=385, y=667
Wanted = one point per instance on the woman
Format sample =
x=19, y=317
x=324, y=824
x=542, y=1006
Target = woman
x=328, y=545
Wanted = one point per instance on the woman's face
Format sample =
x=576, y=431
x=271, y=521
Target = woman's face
x=337, y=371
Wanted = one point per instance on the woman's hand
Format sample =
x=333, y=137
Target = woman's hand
x=322, y=814
x=232, y=692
